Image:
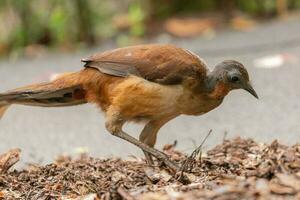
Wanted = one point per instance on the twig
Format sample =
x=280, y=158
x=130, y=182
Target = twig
x=28, y=194
x=190, y=160
x=225, y=136
x=124, y=194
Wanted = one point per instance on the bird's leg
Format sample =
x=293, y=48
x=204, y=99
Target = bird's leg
x=114, y=125
x=149, y=135
x=159, y=155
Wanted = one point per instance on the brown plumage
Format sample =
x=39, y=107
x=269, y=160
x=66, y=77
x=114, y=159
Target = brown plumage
x=154, y=83
x=165, y=64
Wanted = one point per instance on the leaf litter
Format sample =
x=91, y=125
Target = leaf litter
x=236, y=169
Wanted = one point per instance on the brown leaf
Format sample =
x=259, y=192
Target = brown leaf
x=8, y=159
x=289, y=180
x=117, y=176
x=279, y=189
x=156, y=175
x=2, y=195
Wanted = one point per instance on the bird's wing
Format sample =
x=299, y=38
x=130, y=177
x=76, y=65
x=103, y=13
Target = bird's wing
x=165, y=64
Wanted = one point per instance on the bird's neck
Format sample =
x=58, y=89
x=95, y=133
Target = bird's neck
x=211, y=82
x=215, y=87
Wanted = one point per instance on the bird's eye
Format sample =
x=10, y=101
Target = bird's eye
x=235, y=79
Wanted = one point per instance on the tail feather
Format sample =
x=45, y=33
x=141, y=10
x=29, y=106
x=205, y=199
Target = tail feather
x=46, y=98
x=60, y=92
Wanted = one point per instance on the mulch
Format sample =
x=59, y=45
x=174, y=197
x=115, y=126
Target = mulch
x=236, y=169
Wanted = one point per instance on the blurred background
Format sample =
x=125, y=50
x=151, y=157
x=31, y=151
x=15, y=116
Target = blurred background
x=29, y=26
x=42, y=38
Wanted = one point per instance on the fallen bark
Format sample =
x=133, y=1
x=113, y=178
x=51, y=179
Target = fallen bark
x=8, y=159
x=235, y=169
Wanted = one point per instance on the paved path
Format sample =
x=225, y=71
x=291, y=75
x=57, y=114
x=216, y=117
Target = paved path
x=43, y=133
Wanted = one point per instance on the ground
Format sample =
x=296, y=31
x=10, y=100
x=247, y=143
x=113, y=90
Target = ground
x=235, y=169
x=44, y=133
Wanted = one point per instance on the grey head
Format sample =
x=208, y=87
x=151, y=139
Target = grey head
x=234, y=75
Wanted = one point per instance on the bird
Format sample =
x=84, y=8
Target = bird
x=149, y=83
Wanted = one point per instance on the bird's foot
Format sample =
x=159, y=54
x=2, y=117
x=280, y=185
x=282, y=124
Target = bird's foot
x=155, y=173
x=163, y=160
x=166, y=161
x=149, y=159
x=154, y=176
x=151, y=151
x=160, y=163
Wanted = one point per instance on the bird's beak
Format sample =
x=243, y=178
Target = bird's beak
x=248, y=87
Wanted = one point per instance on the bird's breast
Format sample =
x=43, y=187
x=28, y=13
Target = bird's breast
x=137, y=98
x=191, y=103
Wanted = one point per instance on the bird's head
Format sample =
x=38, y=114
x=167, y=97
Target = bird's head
x=233, y=75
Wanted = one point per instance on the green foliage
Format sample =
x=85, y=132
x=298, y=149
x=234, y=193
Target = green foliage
x=136, y=17
x=248, y=6
x=165, y=8
x=73, y=22
x=57, y=24
x=266, y=7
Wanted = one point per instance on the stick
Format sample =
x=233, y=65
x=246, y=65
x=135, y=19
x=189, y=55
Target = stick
x=187, y=162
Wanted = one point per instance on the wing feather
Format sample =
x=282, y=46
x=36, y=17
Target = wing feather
x=114, y=68
x=165, y=64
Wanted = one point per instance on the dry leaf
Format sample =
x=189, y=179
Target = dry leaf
x=289, y=180
x=235, y=169
x=8, y=159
